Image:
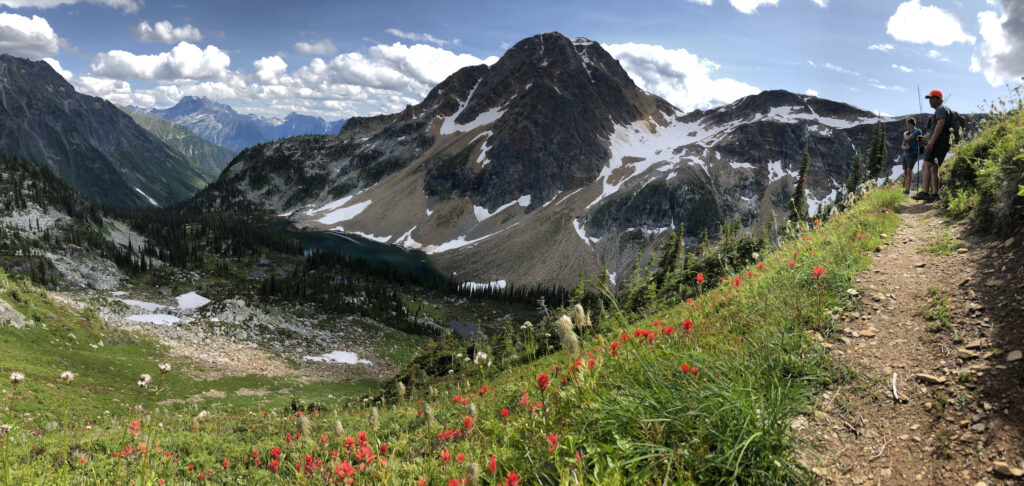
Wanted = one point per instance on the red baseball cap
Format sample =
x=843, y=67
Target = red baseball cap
x=935, y=94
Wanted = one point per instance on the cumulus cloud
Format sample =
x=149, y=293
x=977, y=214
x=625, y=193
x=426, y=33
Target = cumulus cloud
x=55, y=64
x=164, y=32
x=682, y=78
x=902, y=68
x=27, y=37
x=749, y=6
x=811, y=92
x=322, y=47
x=420, y=37
x=269, y=69
x=920, y=24
x=881, y=47
x=184, y=61
x=381, y=79
x=129, y=6
x=821, y=3
x=999, y=57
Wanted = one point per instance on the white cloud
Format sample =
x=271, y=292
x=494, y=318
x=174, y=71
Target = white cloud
x=811, y=92
x=879, y=85
x=27, y=37
x=269, y=69
x=322, y=47
x=919, y=24
x=129, y=6
x=999, y=55
x=421, y=37
x=821, y=3
x=702, y=2
x=902, y=68
x=838, y=69
x=682, y=78
x=184, y=61
x=55, y=64
x=381, y=79
x=749, y=6
x=933, y=54
x=881, y=47
x=164, y=32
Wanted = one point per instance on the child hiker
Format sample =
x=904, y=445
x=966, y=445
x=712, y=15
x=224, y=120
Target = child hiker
x=911, y=152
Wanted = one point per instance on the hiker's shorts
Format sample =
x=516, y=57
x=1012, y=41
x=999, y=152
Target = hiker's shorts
x=908, y=163
x=936, y=155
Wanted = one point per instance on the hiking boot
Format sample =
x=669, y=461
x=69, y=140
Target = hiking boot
x=906, y=193
x=934, y=197
x=921, y=196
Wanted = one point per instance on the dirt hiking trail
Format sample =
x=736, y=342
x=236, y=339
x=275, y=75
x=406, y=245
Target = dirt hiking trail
x=959, y=374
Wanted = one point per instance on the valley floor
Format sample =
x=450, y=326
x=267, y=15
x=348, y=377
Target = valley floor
x=940, y=323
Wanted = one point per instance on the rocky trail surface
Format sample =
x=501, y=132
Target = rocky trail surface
x=959, y=415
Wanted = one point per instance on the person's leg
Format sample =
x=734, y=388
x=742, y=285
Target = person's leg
x=922, y=193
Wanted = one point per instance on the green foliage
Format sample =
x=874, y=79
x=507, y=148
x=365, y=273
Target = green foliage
x=798, y=203
x=878, y=151
x=942, y=245
x=982, y=179
x=937, y=311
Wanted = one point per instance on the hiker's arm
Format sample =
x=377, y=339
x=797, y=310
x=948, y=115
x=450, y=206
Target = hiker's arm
x=935, y=133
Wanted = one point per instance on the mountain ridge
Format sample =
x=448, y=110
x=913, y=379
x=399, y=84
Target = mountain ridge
x=87, y=141
x=556, y=150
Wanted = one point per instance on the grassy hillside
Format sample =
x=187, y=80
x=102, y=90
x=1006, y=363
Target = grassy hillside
x=984, y=178
x=700, y=392
x=209, y=157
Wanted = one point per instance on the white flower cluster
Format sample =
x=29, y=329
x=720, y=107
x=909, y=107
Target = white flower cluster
x=144, y=380
x=17, y=377
x=67, y=376
x=164, y=368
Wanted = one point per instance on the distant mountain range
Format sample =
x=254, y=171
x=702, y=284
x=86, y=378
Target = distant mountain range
x=222, y=125
x=550, y=160
x=211, y=158
x=88, y=142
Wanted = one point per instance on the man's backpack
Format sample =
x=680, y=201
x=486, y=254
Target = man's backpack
x=956, y=123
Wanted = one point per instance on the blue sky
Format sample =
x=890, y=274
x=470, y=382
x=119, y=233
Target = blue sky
x=345, y=58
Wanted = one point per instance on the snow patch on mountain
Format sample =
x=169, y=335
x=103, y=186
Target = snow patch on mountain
x=482, y=213
x=151, y=201
x=345, y=213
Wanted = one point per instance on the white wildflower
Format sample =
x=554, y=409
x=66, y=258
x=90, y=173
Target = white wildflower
x=67, y=376
x=144, y=380
x=480, y=357
x=164, y=368
x=466, y=359
x=17, y=377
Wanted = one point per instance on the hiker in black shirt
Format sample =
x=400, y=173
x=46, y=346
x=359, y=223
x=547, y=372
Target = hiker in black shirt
x=936, y=149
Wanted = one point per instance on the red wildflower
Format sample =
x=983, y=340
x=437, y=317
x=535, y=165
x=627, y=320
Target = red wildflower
x=255, y=453
x=760, y=266
x=298, y=414
x=686, y=368
x=689, y=300
x=445, y=456
x=421, y=482
x=512, y=479
x=818, y=272
x=82, y=460
x=750, y=273
x=225, y=463
x=275, y=452
x=700, y=278
x=791, y=263
x=796, y=255
x=553, y=442
x=505, y=413
x=694, y=370
x=687, y=325
x=492, y=465
x=460, y=457
x=202, y=476
x=543, y=381
x=383, y=449
x=668, y=330
x=191, y=467
x=344, y=469
x=135, y=427
x=467, y=423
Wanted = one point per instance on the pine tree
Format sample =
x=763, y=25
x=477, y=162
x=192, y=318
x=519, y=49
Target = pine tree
x=853, y=179
x=877, y=152
x=579, y=291
x=799, y=199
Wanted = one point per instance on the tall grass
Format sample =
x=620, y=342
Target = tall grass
x=624, y=410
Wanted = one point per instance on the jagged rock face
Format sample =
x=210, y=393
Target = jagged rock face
x=222, y=125
x=549, y=160
x=87, y=141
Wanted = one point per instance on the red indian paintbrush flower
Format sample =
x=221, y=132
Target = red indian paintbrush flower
x=467, y=423
x=446, y=456
x=686, y=368
x=553, y=442
x=700, y=278
x=512, y=479
x=543, y=381
x=687, y=325
x=492, y=465
x=818, y=272
x=791, y=263
x=505, y=413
